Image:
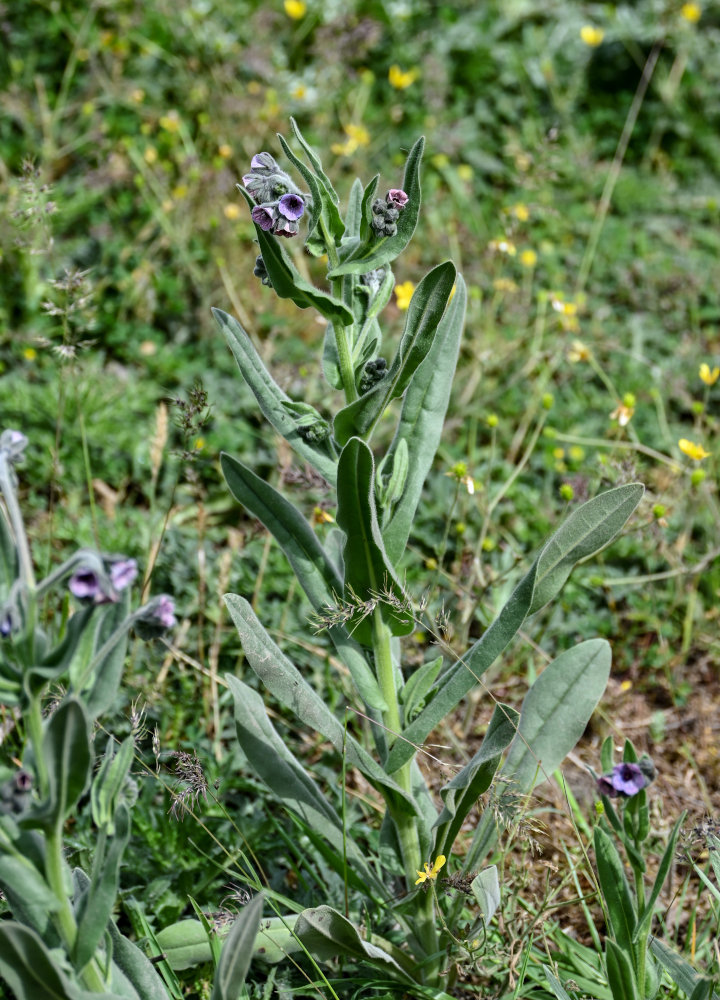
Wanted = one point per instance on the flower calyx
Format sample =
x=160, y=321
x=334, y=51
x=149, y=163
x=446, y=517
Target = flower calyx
x=385, y=213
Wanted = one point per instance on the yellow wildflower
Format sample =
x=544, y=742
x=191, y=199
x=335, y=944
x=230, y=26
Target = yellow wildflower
x=692, y=450
x=503, y=246
x=692, y=12
x=137, y=95
x=403, y=294
x=709, y=375
x=520, y=211
x=29, y=353
x=528, y=258
x=431, y=872
x=402, y=79
x=357, y=136
x=180, y=191
x=225, y=150
x=465, y=172
x=505, y=285
x=579, y=352
x=199, y=443
x=151, y=155
x=231, y=211
x=321, y=516
x=295, y=9
x=440, y=160
x=592, y=36
x=170, y=122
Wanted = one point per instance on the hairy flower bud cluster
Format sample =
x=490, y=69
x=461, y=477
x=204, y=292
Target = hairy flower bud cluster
x=373, y=372
x=260, y=271
x=280, y=203
x=386, y=213
x=15, y=794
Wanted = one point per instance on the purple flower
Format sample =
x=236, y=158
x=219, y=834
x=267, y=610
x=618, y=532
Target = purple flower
x=6, y=625
x=156, y=617
x=625, y=779
x=264, y=161
x=291, y=206
x=86, y=585
x=285, y=227
x=12, y=444
x=122, y=573
x=263, y=216
x=396, y=198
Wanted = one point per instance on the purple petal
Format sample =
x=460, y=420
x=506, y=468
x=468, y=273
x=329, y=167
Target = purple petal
x=165, y=611
x=606, y=787
x=263, y=161
x=262, y=217
x=291, y=206
x=122, y=573
x=628, y=779
x=397, y=198
x=85, y=585
x=285, y=227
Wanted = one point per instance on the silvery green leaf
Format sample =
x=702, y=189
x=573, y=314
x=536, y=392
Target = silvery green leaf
x=272, y=399
x=486, y=890
x=237, y=952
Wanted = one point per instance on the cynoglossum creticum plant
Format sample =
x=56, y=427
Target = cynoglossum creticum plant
x=352, y=580
x=58, y=675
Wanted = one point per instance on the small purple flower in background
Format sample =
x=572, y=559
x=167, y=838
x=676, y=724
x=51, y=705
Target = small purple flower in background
x=626, y=779
x=291, y=206
x=86, y=585
x=263, y=216
x=6, y=625
x=396, y=198
x=156, y=617
x=122, y=573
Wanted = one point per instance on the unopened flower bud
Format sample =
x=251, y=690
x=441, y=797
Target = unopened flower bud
x=260, y=271
x=397, y=198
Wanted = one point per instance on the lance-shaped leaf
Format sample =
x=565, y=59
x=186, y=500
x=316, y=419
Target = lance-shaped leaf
x=327, y=934
x=462, y=792
x=30, y=898
x=615, y=890
x=31, y=972
x=421, y=326
x=286, y=683
x=365, y=255
x=315, y=572
x=275, y=764
x=679, y=970
x=369, y=575
x=136, y=967
x=556, y=711
x=323, y=206
x=271, y=398
x=110, y=638
x=643, y=926
x=588, y=529
x=66, y=749
x=237, y=951
x=287, y=281
x=98, y=902
x=620, y=974
x=486, y=890
x=422, y=419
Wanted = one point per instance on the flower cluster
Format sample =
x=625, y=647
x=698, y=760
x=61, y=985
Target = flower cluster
x=386, y=213
x=627, y=779
x=94, y=583
x=280, y=203
x=374, y=371
x=156, y=617
x=431, y=871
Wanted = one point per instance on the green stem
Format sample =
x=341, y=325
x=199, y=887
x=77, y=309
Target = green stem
x=341, y=339
x=405, y=823
x=641, y=945
x=34, y=723
x=7, y=487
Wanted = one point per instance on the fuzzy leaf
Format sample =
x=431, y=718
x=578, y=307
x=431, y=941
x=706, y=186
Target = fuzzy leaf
x=615, y=890
x=680, y=971
x=556, y=711
x=271, y=398
x=421, y=326
x=30, y=970
x=366, y=255
x=136, y=967
x=237, y=951
x=422, y=418
x=588, y=529
x=368, y=572
x=66, y=749
x=621, y=978
x=486, y=890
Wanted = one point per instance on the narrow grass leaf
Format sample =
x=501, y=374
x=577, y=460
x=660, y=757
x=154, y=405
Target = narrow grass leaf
x=679, y=970
x=666, y=861
x=615, y=890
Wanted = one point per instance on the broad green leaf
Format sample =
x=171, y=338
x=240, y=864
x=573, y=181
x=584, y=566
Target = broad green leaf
x=588, y=529
x=615, y=890
x=136, y=967
x=184, y=944
x=418, y=685
x=421, y=327
x=99, y=900
x=286, y=683
x=315, y=572
x=422, y=419
x=461, y=793
x=288, y=283
x=275, y=764
x=486, y=890
x=237, y=951
x=620, y=974
x=556, y=711
x=66, y=748
x=377, y=251
x=29, y=969
x=555, y=984
x=30, y=898
x=369, y=576
x=270, y=398
x=107, y=672
x=327, y=934
x=680, y=971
